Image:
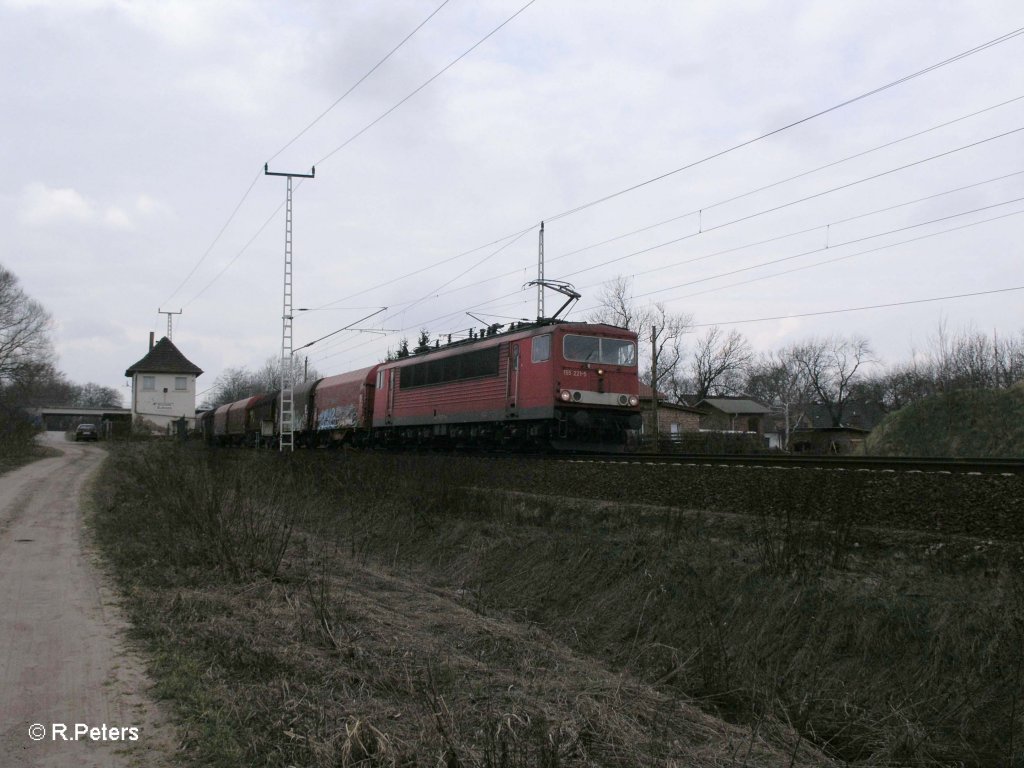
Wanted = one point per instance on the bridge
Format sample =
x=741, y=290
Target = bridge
x=63, y=418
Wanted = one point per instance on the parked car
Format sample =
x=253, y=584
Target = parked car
x=86, y=432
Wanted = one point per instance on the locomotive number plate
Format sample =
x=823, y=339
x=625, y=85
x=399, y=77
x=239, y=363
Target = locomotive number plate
x=571, y=372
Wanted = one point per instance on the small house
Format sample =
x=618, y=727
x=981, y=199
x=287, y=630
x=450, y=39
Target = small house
x=673, y=418
x=732, y=414
x=163, y=387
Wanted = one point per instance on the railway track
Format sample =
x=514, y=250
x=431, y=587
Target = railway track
x=1005, y=466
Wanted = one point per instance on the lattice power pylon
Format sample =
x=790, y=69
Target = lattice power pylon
x=540, y=274
x=286, y=411
x=169, y=315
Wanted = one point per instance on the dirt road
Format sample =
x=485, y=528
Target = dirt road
x=64, y=665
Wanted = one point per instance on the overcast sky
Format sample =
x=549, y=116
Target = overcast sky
x=133, y=130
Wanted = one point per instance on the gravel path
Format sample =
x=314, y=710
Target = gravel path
x=63, y=656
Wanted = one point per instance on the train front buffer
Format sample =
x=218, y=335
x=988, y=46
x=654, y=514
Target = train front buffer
x=597, y=390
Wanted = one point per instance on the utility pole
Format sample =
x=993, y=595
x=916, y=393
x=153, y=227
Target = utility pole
x=654, y=386
x=161, y=312
x=286, y=409
x=540, y=275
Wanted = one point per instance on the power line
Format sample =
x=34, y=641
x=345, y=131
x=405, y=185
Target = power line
x=844, y=258
x=694, y=212
x=801, y=175
x=359, y=82
x=351, y=139
x=860, y=309
x=1003, y=38
x=748, y=142
x=236, y=256
x=215, y=240
x=776, y=208
x=865, y=95
x=427, y=268
x=763, y=277
x=819, y=226
x=827, y=247
x=407, y=305
x=490, y=302
x=740, y=247
x=410, y=304
x=252, y=184
x=434, y=77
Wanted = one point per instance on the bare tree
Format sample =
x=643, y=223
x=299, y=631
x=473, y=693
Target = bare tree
x=233, y=384
x=969, y=359
x=719, y=363
x=238, y=383
x=830, y=366
x=92, y=395
x=268, y=378
x=617, y=307
x=777, y=380
x=1009, y=359
x=25, y=348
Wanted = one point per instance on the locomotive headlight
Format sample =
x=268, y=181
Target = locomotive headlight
x=600, y=371
x=566, y=395
x=634, y=400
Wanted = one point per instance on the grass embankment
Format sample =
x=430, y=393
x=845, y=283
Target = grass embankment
x=977, y=423
x=329, y=609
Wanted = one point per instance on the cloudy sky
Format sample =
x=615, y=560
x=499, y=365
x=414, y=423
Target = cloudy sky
x=135, y=134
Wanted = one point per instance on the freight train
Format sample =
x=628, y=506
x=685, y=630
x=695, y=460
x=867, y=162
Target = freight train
x=551, y=384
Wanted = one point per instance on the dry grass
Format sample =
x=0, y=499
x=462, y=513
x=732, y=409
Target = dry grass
x=377, y=611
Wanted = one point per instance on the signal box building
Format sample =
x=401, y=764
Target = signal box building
x=163, y=387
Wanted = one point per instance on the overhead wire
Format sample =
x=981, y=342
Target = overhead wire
x=490, y=302
x=827, y=247
x=919, y=73
x=842, y=258
x=819, y=227
x=434, y=77
x=692, y=235
x=552, y=259
x=238, y=255
x=256, y=178
x=867, y=94
x=406, y=306
x=861, y=309
x=791, y=203
x=358, y=82
x=779, y=182
x=216, y=239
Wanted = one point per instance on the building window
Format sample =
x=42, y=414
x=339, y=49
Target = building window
x=149, y=383
x=180, y=384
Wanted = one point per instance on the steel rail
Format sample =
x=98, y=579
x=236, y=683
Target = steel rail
x=996, y=466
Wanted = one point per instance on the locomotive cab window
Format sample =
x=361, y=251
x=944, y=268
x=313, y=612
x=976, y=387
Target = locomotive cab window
x=597, y=349
x=541, y=348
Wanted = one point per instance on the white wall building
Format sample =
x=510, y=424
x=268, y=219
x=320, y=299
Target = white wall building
x=163, y=386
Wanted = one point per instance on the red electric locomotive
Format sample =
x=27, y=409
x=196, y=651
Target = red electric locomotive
x=570, y=386
x=564, y=385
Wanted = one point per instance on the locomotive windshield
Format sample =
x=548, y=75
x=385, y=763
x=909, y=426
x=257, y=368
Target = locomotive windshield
x=598, y=349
